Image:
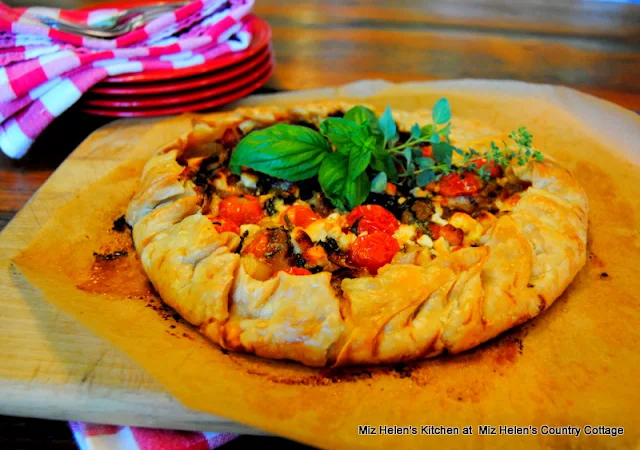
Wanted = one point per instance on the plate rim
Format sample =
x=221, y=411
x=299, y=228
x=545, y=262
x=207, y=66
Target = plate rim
x=181, y=85
x=167, y=100
x=206, y=104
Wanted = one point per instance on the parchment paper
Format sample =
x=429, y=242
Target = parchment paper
x=577, y=364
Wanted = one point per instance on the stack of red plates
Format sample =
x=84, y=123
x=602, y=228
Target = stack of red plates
x=196, y=88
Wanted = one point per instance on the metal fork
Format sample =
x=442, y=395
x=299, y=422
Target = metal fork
x=121, y=23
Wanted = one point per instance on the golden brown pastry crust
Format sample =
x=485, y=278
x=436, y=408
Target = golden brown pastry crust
x=408, y=311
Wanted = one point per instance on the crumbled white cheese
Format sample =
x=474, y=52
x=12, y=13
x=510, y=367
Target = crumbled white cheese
x=251, y=228
x=220, y=183
x=248, y=125
x=468, y=225
x=249, y=180
x=345, y=240
x=405, y=234
x=425, y=241
x=279, y=205
x=325, y=228
x=437, y=215
x=317, y=231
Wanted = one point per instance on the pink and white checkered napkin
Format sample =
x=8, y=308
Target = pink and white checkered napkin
x=111, y=437
x=44, y=71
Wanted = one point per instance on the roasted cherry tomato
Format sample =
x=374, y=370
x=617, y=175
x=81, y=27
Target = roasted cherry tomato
x=374, y=250
x=456, y=184
x=259, y=246
x=427, y=151
x=453, y=235
x=299, y=216
x=494, y=170
x=373, y=218
x=391, y=189
x=221, y=225
x=241, y=209
x=297, y=271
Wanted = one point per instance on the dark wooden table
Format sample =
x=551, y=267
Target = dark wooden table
x=592, y=46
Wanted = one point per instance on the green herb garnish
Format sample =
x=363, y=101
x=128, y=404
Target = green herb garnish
x=360, y=153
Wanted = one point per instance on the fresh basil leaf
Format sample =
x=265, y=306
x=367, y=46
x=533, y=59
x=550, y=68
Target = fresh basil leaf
x=340, y=132
x=362, y=115
x=424, y=178
x=290, y=152
x=359, y=158
x=435, y=138
x=459, y=151
x=383, y=162
x=357, y=191
x=335, y=184
x=441, y=112
x=415, y=131
x=379, y=183
x=443, y=152
x=423, y=162
x=426, y=131
x=332, y=177
x=416, y=152
x=387, y=125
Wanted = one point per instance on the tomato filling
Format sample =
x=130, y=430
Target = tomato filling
x=346, y=244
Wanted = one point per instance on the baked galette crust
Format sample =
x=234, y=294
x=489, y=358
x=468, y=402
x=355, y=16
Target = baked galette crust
x=406, y=312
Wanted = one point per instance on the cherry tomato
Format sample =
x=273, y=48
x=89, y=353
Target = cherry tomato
x=221, y=225
x=258, y=247
x=241, y=209
x=373, y=218
x=494, y=170
x=297, y=271
x=427, y=151
x=453, y=235
x=374, y=250
x=391, y=189
x=435, y=230
x=456, y=184
x=299, y=215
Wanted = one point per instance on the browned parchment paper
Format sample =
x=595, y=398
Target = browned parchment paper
x=576, y=364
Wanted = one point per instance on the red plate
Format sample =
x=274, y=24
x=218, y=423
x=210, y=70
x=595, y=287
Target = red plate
x=261, y=35
x=187, y=83
x=147, y=101
x=194, y=106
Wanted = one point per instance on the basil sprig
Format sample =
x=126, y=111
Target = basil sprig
x=359, y=153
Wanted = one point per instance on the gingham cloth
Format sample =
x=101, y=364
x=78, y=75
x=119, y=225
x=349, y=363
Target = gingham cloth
x=45, y=71
x=111, y=437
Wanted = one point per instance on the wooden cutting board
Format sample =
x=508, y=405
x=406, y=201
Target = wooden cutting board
x=576, y=366
x=54, y=368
